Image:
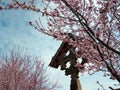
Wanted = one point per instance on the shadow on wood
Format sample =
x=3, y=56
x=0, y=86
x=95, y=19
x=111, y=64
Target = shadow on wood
x=57, y=59
x=61, y=52
x=75, y=84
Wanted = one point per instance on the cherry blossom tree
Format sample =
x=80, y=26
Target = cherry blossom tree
x=23, y=72
x=95, y=25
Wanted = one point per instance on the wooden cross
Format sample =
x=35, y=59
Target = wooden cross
x=61, y=59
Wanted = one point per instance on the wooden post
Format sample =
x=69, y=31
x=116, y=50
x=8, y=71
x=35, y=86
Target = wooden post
x=74, y=72
x=79, y=84
x=75, y=84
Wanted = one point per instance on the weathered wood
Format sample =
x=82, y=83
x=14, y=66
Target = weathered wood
x=74, y=72
x=60, y=59
x=75, y=84
x=57, y=59
x=79, y=85
x=61, y=52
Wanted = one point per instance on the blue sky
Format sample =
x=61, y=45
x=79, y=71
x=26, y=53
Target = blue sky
x=15, y=31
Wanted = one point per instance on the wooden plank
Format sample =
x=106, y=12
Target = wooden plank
x=64, y=47
x=56, y=59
